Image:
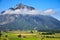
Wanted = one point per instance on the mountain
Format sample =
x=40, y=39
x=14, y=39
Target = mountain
x=11, y=20
x=22, y=6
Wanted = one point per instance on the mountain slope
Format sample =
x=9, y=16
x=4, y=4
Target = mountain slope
x=22, y=21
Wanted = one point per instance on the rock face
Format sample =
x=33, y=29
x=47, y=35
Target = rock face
x=27, y=22
x=22, y=6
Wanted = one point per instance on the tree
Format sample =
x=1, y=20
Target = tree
x=0, y=33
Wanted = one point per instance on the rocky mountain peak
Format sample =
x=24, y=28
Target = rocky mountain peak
x=22, y=6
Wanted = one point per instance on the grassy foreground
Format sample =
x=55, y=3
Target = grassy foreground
x=27, y=35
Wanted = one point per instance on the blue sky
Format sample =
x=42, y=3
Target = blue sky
x=38, y=4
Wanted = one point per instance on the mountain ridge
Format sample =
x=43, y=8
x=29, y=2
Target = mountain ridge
x=18, y=21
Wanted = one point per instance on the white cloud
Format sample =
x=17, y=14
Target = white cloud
x=31, y=12
x=49, y=11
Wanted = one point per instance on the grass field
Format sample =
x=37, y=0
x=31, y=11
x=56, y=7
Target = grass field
x=26, y=35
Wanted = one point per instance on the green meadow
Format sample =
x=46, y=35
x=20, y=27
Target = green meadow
x=27, y=35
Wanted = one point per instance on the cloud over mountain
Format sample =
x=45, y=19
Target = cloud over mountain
x=24, y=9
x=32, y=12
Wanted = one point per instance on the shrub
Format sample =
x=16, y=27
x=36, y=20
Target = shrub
x=47, y=33
x=19, y=36
x=6, y=35
x=50, y=36
x=31, y=31
x=5, y=39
